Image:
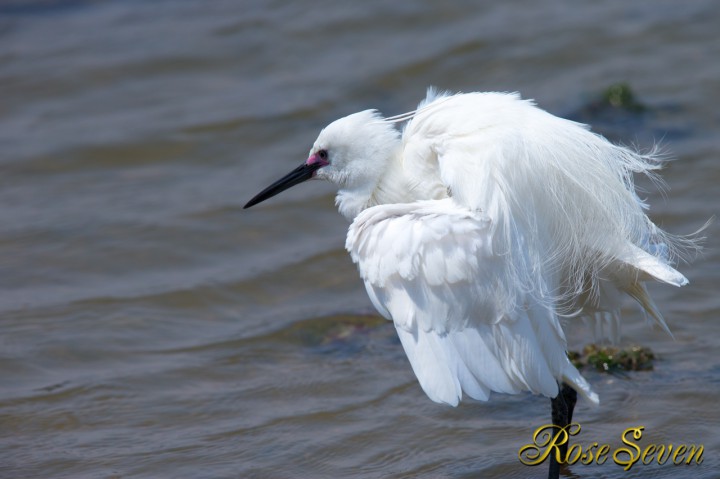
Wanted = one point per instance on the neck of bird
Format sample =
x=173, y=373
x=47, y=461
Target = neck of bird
x=386, y=185
x=391, y=185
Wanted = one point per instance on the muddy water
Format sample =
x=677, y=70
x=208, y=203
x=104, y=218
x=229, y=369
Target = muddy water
x=149, y=327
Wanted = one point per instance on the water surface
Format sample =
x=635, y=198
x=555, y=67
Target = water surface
x=149, y=327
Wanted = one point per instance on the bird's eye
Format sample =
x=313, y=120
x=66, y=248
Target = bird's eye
x=323, y=154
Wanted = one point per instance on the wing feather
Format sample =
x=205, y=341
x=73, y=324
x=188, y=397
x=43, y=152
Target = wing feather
x=562, y=201
x=430, y=267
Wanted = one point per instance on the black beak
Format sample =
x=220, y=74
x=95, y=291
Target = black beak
x=298, y=175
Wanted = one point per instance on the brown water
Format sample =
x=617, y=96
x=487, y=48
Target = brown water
x=149, y=327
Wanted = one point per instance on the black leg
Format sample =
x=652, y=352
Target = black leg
x=563, y=406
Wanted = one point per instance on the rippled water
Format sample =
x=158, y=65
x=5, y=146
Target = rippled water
x=149, y=327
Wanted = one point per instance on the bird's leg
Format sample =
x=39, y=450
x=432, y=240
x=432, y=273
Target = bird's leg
x=563, y=406
x=570, y=396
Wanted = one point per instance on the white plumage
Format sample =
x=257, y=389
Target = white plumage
x=481, y=226
x=430, y=267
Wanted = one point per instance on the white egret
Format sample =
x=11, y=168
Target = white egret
x=481, y=226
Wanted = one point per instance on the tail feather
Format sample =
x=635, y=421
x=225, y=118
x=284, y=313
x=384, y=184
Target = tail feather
x=652, y=266
x=637, y=265
x=640, y=294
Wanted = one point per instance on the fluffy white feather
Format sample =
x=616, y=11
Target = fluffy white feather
x=481, y=225
x=430, y=267
x=571, y=190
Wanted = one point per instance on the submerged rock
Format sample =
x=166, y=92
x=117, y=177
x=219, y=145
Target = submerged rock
x=621, y=96
x=611, y=359
x=615, y=112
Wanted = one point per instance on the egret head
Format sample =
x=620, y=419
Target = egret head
x=351, y=152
